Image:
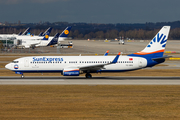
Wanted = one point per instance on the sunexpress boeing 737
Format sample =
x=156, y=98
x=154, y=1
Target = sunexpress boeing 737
x=151, y=55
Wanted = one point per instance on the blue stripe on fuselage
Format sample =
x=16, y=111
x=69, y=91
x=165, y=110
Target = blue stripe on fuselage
x=37, y=71
x=149, y=57
x=60, y=71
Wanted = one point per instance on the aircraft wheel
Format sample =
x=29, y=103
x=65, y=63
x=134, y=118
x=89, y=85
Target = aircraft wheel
x=88, y=75
x=22, y=76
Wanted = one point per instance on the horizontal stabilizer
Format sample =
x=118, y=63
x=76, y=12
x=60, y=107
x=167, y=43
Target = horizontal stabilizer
x=159, y=58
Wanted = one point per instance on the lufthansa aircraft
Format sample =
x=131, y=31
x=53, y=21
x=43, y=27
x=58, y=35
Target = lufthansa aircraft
x=151, y=55
x=43, y=40
x=62, y=37
x=28, y=41
x=14, y=36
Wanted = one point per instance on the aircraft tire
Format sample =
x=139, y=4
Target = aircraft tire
x=88, y=75
x=22, y=76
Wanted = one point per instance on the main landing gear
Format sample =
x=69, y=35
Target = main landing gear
x=88, y=75
x=22, y=76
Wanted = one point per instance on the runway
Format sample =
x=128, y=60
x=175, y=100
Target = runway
x=93, y=81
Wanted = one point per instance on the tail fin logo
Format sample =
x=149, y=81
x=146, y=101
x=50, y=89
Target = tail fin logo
x=158, y=40
x=157, y=44
x=66, y=32
x=46, y=36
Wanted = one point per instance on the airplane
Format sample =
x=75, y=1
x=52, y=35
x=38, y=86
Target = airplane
x=150, y=56
x=14, y=36
x=27, y=41
x=33, y=37
x=63, y=35
x=35, y=42
x=42, y=40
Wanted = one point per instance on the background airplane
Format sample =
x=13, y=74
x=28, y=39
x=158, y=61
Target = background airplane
x=14, y=36
x=41, y=40
x=151, y=55
x=30, y=42
x=63, y=35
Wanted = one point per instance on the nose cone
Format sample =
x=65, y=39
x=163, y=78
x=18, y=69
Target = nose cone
x=8, y=66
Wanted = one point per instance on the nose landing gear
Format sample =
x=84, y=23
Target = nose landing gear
x=22, y=76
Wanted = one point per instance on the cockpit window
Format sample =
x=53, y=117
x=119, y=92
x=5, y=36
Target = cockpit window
x=15, y=61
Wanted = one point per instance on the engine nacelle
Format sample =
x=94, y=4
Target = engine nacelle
x=71, y=72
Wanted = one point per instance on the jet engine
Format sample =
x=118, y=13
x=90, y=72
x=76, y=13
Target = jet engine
x=71, y=72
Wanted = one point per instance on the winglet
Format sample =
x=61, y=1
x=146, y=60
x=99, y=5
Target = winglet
x=116, y=58
x=106, y=53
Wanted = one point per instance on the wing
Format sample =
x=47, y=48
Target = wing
x=96, y=67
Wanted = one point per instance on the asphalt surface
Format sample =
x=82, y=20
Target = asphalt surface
x=93, y=81
x=97, y=47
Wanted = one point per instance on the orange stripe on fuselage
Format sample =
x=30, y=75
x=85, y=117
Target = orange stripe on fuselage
x=145, y=53
x=71, y=70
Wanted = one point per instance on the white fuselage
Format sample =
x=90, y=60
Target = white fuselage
x=37, y=41
x=59, y=63
x=28, y=41
x=8, y=36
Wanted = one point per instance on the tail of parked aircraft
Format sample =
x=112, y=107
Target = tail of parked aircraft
x=54, y=40
x=47, y=33
x=40, y=34
x=20, y=33
x=66, y=32
x=26, y=32
x=155, y=49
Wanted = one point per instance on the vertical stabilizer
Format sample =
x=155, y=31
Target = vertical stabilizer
x=154, y=51
x=54, y=40
x=47, y=33
x=26, y=32
x=157, y=44
x=66, y=32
